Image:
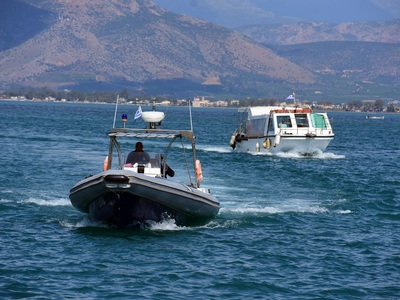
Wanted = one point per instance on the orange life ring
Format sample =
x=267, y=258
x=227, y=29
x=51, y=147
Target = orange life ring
x=199, y=172
x=105, y=164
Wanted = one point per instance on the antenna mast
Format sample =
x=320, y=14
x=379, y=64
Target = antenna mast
x=190, y=113
x=115, y=113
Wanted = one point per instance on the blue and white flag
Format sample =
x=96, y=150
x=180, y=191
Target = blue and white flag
x=138, y=113
x=290, y=97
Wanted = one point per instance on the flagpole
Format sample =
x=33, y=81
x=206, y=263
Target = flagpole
x=294, y=98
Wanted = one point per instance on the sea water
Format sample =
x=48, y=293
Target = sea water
x=290, y=227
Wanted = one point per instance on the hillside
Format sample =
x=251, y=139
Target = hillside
x=234, y=14
x=115, y=44
x=311, y=32
x=357, y=61
x=14, y=18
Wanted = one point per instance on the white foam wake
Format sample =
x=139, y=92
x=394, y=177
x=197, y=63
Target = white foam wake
x=47, y=202
x=217, y=149
x=297, y=155
x=274, y=210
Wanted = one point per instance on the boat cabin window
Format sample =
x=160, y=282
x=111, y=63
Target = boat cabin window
x=318, y=121
x=284, y=121
x=255, y=127
x=301, y=120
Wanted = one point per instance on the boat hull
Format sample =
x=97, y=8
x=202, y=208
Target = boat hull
x=298, y=144
x=124, y=198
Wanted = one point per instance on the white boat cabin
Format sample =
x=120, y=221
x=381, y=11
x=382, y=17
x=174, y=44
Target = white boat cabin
x=264, y=121
x=281, y=129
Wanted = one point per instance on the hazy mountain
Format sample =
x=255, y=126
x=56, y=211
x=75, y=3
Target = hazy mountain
x=134, y=44
x=310, y=32
x=235, y=13
x=14, y=16
x=355, y=61
x=131, y=43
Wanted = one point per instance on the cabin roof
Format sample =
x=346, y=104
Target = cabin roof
x=265, y=110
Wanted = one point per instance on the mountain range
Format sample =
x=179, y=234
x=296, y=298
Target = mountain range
x=136, y=45
x=234, y=13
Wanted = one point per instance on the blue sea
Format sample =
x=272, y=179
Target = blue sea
x=290, y=227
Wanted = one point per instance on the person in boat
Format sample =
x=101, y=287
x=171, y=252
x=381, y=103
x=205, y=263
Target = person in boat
x=138, y=155
x=283, y=122
x=282, y=125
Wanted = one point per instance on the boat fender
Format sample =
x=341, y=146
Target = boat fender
x=105, y=165
x=277, y=139
x=199, y=171
x=233, y=142
x=267, y=144
x=257, y=147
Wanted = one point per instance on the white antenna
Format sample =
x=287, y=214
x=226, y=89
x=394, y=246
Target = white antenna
x=115, y=113
x=190, y=113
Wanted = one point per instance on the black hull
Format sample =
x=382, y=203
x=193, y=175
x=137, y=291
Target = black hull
x=126, y=210
x=124, y=199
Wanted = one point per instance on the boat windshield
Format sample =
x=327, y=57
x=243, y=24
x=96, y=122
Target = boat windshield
x=256, y=127
x=301, y=120
x=152, y=167
x=318, y=121
x=153, y=161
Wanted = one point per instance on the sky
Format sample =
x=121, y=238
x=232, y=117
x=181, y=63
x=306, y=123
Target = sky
x=235, y=13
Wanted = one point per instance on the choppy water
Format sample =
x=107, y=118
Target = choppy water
x=290, y=227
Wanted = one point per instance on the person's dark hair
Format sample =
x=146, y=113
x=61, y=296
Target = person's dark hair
x=138, y=145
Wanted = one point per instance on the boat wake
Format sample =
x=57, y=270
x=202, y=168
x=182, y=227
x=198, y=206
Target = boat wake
x=297, y=155
x=152, y=226
x=294, y=206
x=274, y=210
x=165, y=225
x=291, y=154
x=217, y=149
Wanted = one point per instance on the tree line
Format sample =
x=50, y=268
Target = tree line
x=126, y=95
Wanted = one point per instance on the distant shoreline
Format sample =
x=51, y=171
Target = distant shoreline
x=210, y=107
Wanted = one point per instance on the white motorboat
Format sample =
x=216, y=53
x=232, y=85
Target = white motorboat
x=127, y=194
x=274, y=129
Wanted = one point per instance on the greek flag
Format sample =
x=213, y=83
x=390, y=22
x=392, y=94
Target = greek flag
x=290, y=97
x=138, y=113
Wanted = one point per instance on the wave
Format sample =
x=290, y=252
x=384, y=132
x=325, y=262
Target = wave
x=48, y=202
x=218, y=149
x=86, y=222
x=346, y=211
x=274, y=210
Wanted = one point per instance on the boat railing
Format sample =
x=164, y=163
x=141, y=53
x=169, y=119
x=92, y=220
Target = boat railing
x=291, y=110
x=307, y=131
